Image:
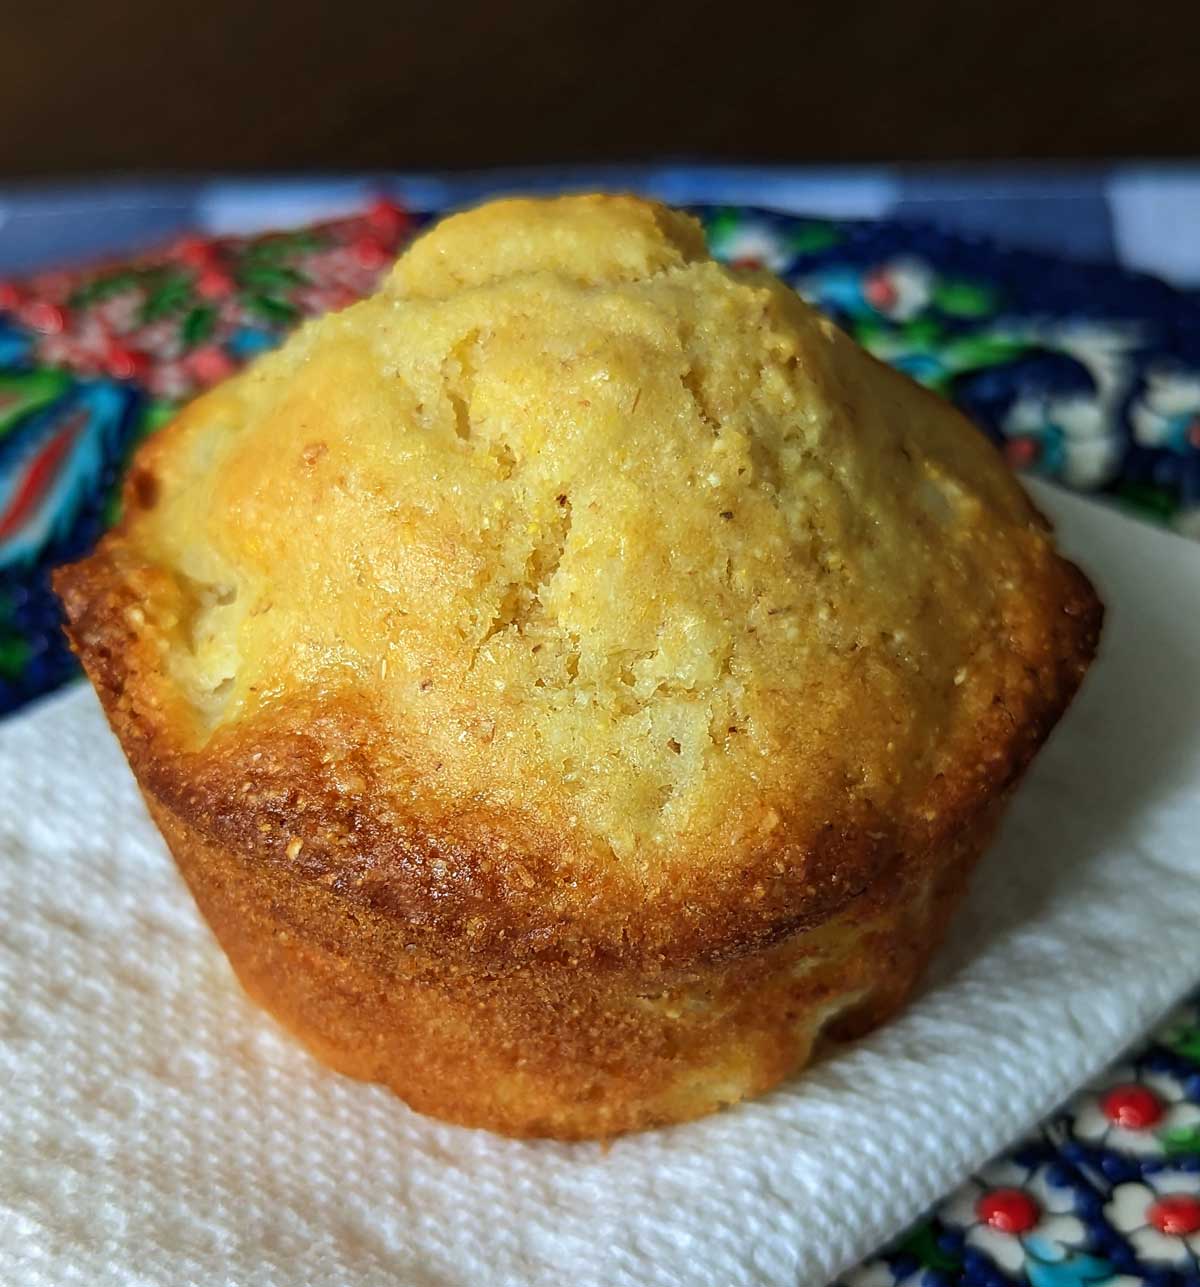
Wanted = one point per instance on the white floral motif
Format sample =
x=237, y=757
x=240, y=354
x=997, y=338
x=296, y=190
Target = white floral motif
x=1093, y=1122
x=1168, y=412
x=1078, y=431
x=1089, y=447
x=1132, y=1211
x=900, y=289
x=753, y=244
x=1056, y=1233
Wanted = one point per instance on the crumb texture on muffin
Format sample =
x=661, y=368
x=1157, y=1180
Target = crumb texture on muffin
x=607, y=531
x=578, y=598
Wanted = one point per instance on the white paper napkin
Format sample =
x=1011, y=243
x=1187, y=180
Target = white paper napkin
x=155, y=1128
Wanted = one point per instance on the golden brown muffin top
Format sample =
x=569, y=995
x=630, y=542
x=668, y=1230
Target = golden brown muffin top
x=608, y=554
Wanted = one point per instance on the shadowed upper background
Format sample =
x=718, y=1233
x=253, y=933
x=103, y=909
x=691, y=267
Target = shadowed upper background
x=231, y=85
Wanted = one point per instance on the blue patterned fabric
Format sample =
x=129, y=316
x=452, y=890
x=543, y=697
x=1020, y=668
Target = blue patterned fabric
x=1106, y=1193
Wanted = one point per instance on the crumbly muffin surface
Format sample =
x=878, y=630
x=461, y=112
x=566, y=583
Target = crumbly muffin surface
x=607, y=531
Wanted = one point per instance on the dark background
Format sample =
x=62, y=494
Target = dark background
x=153, y=85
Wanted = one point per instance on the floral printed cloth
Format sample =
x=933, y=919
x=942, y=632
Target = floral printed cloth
x=1107, y=1191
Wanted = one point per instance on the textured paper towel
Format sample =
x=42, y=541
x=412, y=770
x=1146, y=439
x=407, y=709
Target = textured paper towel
x=156, y=1129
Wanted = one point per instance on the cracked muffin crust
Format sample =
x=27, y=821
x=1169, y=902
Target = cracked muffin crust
x=573, y=677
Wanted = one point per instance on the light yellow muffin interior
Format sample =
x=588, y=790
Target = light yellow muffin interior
x=609, y=531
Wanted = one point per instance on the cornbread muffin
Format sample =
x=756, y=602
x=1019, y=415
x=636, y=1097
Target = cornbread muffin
x=576, y=677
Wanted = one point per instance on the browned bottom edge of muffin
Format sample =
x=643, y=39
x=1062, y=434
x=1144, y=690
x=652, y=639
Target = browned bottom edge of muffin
x=587, y=1050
